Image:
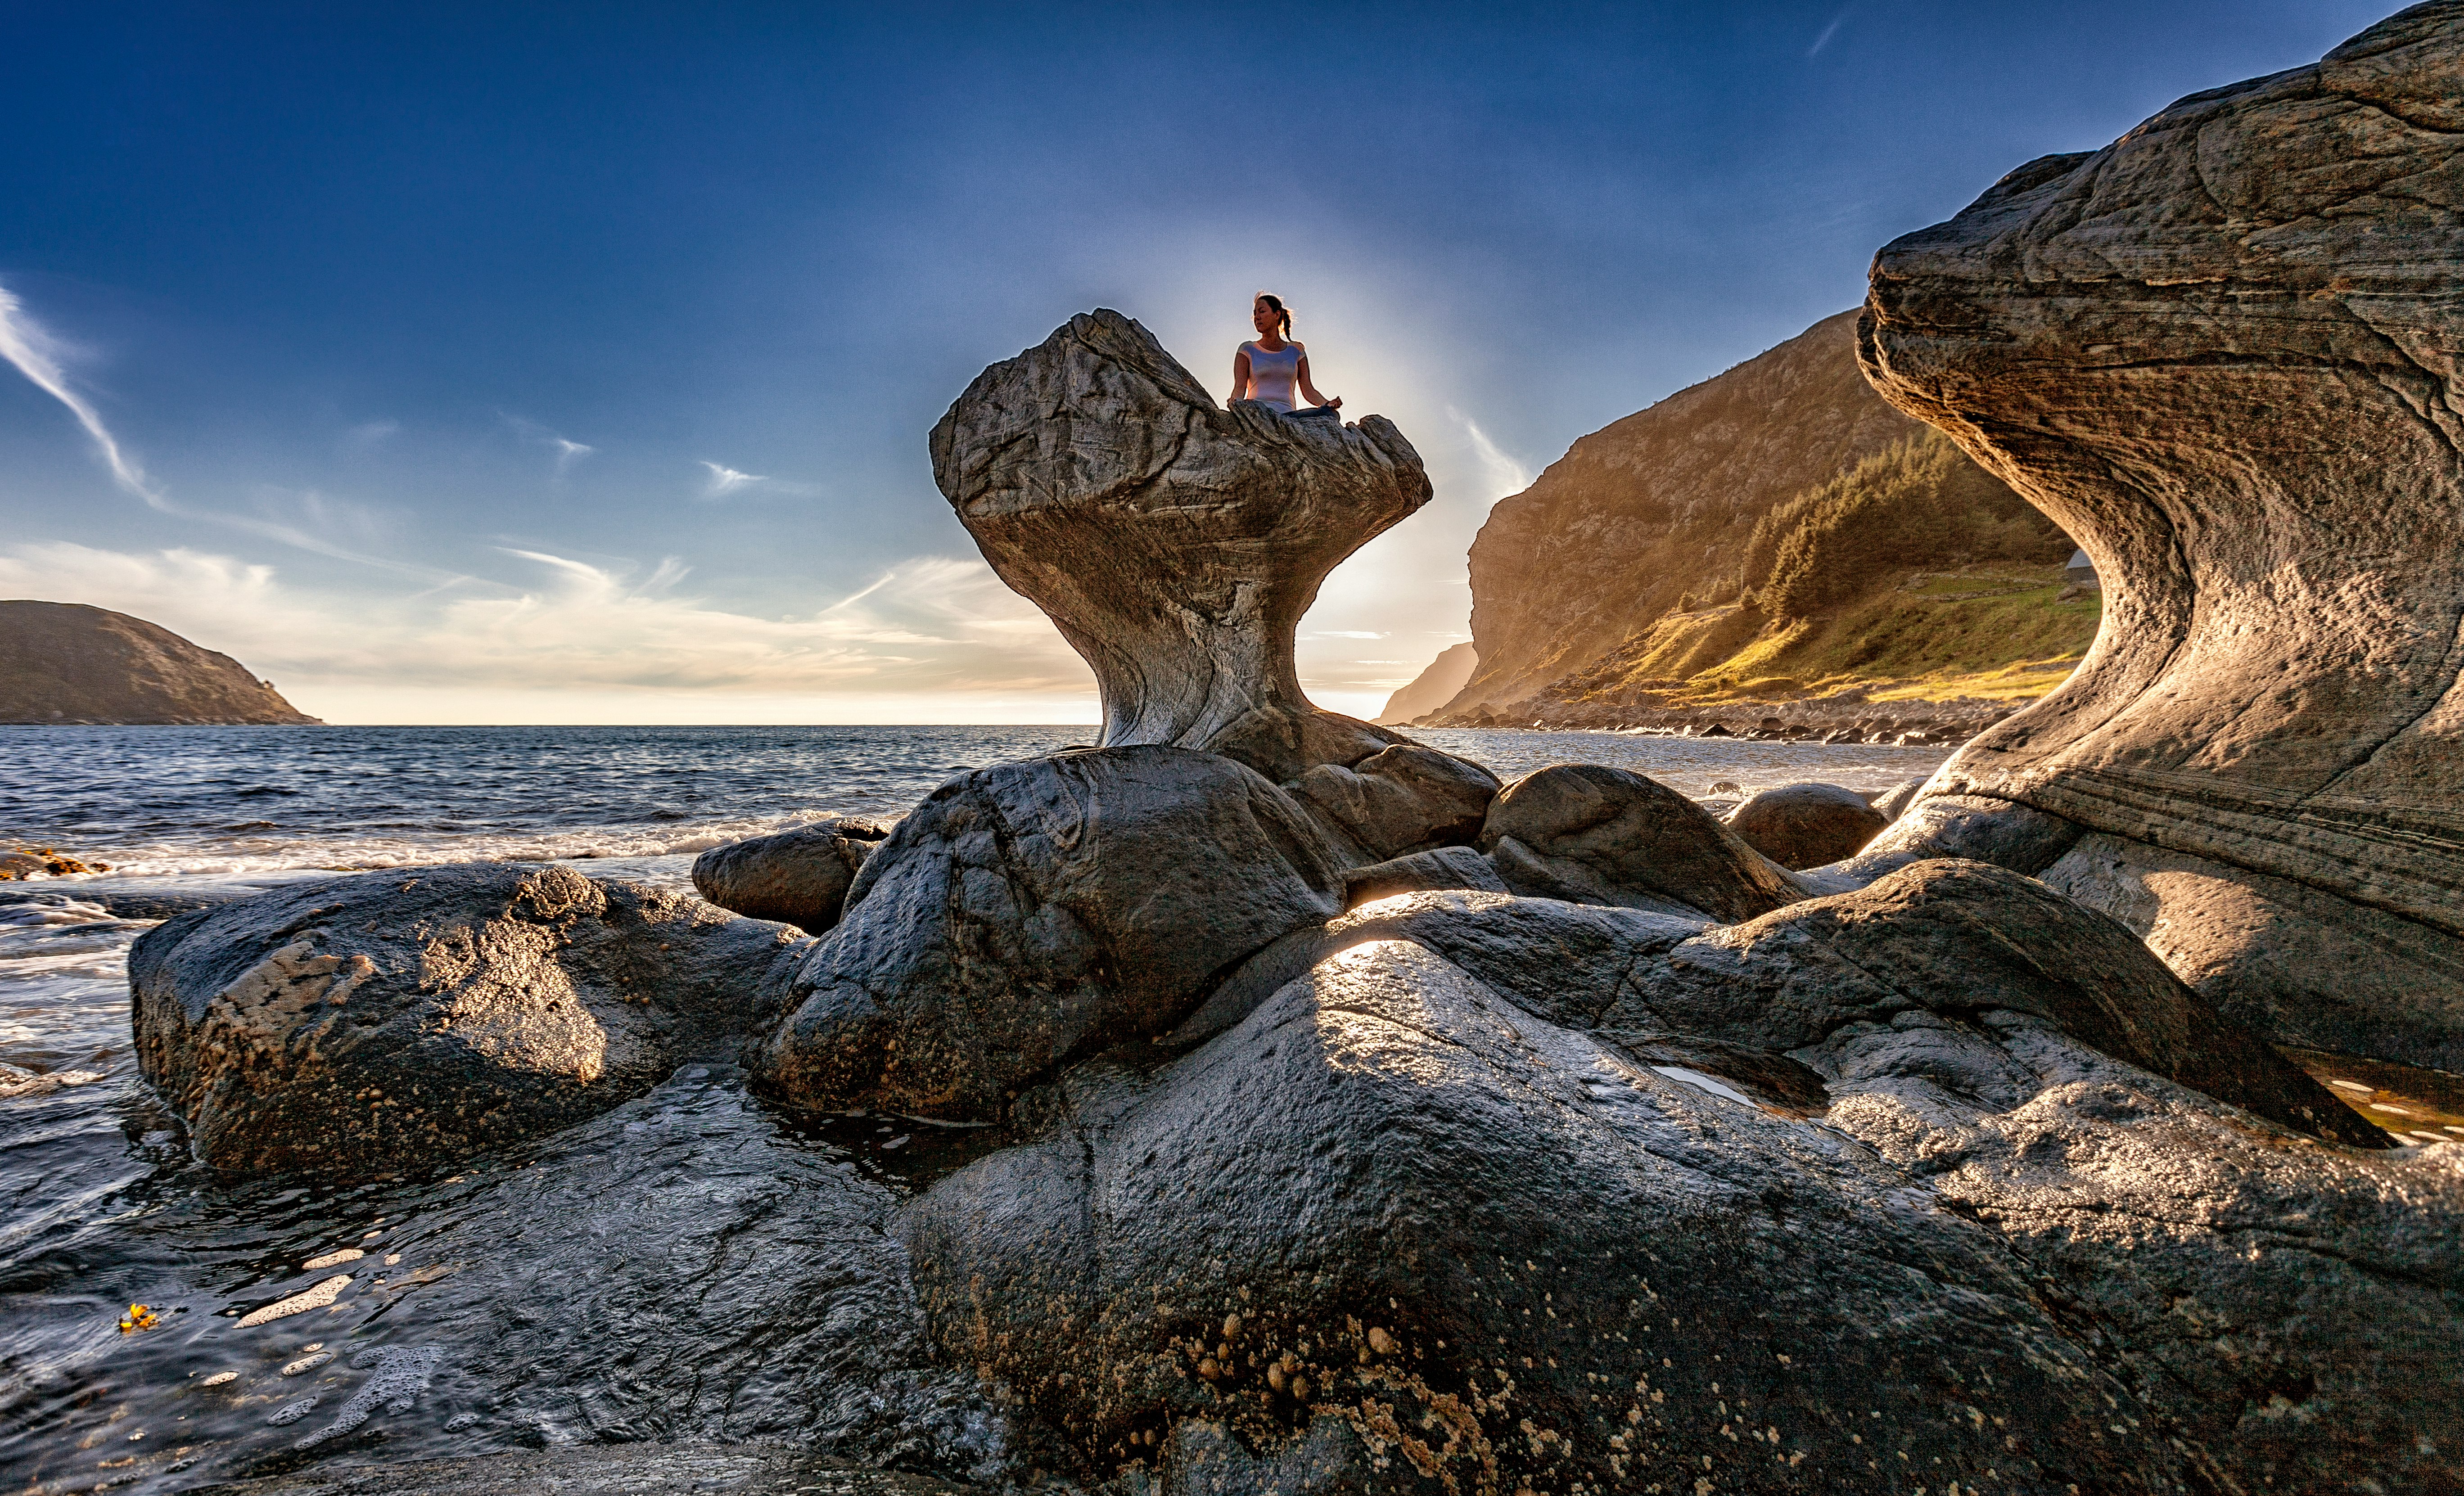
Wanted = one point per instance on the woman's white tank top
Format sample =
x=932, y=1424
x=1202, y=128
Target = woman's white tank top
x=1272, y=376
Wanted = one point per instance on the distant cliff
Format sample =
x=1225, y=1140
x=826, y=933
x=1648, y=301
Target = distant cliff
x=1434, y=687
x=64, y=663
x=1656, y=510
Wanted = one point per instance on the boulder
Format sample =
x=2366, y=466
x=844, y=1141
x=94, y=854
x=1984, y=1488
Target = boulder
x=1441, y=868
x=1405, y=799
x=799, y=877
x=1981, y=828
x=1174, y=544
x=385, y=1019
x=2175, y=346
x=1031, y=913
x=1592, y=833
x=1802, y=825
x=1380, y=1235
x=1897, y=797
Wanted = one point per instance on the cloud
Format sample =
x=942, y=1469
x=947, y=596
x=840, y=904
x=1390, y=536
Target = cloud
x=725, y=480
x=35, y=352
x=1345, y=634
x=369, y=433
x=567, y=452
x=1829, y=32
x=933, y=624
x=1499, y=472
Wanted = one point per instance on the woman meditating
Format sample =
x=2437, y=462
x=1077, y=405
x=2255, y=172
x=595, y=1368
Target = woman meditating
x=1268, y=370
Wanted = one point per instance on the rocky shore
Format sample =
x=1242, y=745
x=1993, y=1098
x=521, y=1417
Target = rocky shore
x=1845, y=717
x=1336, y=1118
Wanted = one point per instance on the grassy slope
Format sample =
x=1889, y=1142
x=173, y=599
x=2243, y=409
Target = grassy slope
x=1991, y=630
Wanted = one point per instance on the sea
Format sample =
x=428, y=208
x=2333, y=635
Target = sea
x=597, y=1286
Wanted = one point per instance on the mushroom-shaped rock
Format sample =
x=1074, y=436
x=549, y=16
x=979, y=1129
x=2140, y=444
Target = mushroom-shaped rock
x=1028, y=913
x=1597, y=835
x=1804, y=826
x=393, y=1015
x=1176, y=543
x=799, y=877
x=2222, y=352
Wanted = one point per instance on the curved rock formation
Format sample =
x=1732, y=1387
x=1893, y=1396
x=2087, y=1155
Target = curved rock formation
x=65, y=662
x=1176, y=543
x=387, y=1016
x=2222, y=352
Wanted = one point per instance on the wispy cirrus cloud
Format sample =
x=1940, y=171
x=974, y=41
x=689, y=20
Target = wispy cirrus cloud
x=1829, y=32
x=36, y=353
x=725, y=480
x=930, y=625
x=567, y=452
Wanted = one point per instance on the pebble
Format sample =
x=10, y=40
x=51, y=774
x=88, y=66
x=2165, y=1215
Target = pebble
x=307, y=1363
x=318, y=1297
x=218, y=1379
x=292, y=1412
x=348, y=1254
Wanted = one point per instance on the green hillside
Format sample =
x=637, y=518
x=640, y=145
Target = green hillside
x=1914, y=575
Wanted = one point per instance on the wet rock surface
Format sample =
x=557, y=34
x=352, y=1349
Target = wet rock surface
x=1596, y=834
x=366, y=1021
x=1803, y=825
x=690, y=1269
x=1026, y=915
x=602, y=1470
x=1176, y=543
x=2171, y=346
x=1380, y=1232
x=798, y=877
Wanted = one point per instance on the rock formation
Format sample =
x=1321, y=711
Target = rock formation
x=1033, y=913
x=64, y=663
x=1383, y=1229
x=1176, y=543
x=1805, y=826
x=1592, y=834
x=367, y=1020
x=2221, y=352
x=799, y=877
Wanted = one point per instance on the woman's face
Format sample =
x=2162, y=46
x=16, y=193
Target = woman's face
x=1263, y=318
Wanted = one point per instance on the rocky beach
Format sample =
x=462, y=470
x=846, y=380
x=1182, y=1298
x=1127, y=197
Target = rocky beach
x=1250, y=1099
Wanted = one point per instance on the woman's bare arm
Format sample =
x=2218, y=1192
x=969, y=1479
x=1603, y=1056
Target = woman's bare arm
x=1308, y=389
x=1240, y=375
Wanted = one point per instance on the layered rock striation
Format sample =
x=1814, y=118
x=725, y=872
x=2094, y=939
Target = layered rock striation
x=66, y=663
x=2222, y=353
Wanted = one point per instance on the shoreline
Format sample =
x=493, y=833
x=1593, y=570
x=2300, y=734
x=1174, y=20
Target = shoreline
x=1846, y=718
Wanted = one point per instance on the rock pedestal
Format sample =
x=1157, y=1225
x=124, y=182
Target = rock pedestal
x=1176, y=543
x=2223, y=352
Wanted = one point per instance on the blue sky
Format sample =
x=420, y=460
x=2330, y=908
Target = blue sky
x=430, y=336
